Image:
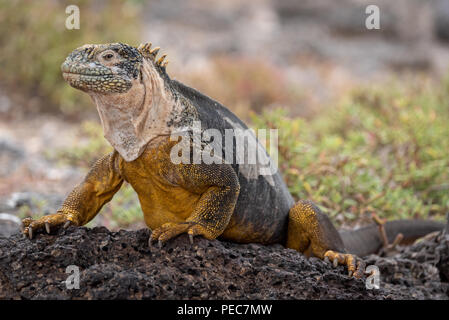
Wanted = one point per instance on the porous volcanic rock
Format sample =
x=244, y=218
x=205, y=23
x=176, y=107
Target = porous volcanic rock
x=120, y=265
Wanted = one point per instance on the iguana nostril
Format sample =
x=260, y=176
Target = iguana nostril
x=65, y=67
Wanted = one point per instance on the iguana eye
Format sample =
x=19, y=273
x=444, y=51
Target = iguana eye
x=107, y=56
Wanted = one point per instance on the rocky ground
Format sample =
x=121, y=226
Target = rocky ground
x=120, y=265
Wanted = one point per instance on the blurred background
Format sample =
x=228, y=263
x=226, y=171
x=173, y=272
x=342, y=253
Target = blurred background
x=362, y=114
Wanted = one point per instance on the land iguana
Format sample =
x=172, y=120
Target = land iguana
x=140, y=107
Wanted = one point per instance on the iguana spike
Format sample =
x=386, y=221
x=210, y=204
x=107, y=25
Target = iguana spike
x=161, y=59
x=154, y=52
x=145, y=49
x=164, y=64
x=147, y=52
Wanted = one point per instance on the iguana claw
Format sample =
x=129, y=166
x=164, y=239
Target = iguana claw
x=30, y=226
x=356, y=266
x=47, y=227
x=335, y=263
x=172, y=229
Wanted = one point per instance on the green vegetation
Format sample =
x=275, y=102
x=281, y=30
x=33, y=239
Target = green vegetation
x=34, y=42
x=382, y=150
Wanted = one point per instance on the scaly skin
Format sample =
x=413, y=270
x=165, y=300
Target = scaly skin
x=211, y=200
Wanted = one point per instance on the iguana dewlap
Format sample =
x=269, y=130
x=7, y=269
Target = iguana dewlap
x=140, y=108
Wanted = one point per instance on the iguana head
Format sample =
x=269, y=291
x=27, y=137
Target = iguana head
x=107, y=68
x=130, y=89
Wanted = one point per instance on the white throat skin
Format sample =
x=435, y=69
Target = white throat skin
x=132, y=119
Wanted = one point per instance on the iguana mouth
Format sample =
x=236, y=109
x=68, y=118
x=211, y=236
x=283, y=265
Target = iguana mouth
x=84, y=69
x=94, y=77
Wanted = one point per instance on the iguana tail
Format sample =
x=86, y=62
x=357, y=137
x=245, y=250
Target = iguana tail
x=368, y=240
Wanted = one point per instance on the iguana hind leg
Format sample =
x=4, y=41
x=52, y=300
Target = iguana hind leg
x=311, y=231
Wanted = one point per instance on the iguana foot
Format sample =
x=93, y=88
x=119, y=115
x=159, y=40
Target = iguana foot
x=170, y=230
x=30, y=226
x=356, y=266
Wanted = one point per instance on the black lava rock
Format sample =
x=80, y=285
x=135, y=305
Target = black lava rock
x=120, y=265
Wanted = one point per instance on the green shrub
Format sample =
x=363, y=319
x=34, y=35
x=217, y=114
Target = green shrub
x=382, y=150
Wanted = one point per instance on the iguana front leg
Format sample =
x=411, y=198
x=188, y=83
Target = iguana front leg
x=219, y=189
x=85, y=200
